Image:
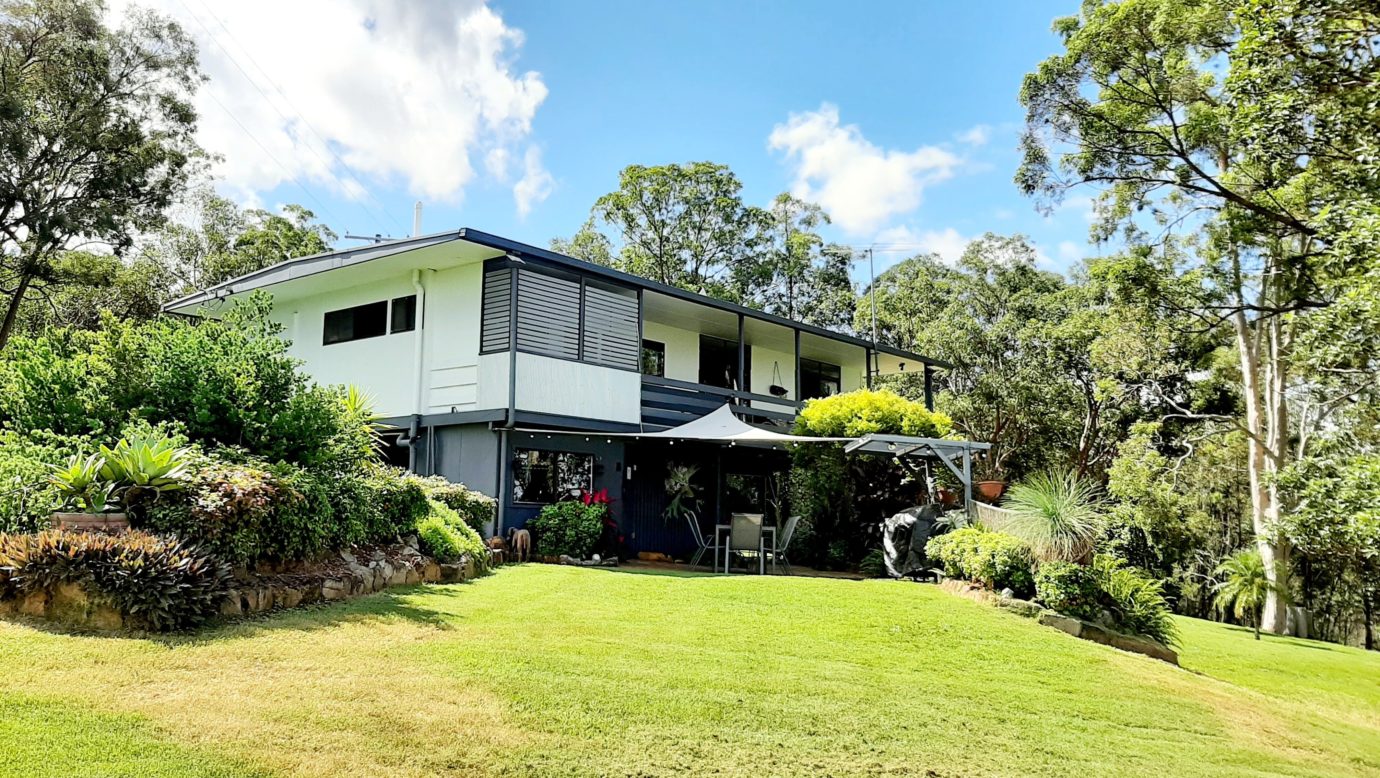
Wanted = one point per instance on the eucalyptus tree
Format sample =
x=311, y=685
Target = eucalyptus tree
x=1249, y=122
x=96, y=134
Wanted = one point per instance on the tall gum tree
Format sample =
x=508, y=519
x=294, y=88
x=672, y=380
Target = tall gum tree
x=1247, y=122
x=96, y=134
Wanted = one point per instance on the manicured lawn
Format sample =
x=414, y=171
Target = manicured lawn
x=559, y=671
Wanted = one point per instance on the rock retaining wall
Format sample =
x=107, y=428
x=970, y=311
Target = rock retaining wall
x=350, y=574
x=1076, y=627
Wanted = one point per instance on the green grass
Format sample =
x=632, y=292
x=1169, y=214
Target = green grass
x=560, y=671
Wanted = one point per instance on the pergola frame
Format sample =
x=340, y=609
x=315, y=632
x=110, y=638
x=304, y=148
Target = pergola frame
x=957, y=455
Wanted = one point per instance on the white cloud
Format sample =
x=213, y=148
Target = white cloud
x=1069, y=252
x=977, y=135
x=400, y=92
x=535, y=184
x=902, y=241
x=858, y=183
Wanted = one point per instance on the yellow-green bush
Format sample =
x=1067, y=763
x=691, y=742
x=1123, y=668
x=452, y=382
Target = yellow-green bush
x=445, y=535
x=864, y=412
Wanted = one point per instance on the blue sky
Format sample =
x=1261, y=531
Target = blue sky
x=513, y=117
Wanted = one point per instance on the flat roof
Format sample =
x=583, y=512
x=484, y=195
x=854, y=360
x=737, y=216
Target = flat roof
x=319, y=263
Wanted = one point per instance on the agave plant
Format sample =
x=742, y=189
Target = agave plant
x=1243, y=586
x=1056, y=514
x=145, y=463
x=81, y=485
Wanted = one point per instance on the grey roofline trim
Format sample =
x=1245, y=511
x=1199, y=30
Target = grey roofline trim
x=310, y=265
x=504, y=244
x=330, y=260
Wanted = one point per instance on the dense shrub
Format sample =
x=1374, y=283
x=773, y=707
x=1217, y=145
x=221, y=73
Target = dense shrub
x=1136, y=601
x=27, y=496
x=154, y=582
x=476, y=508
x=841, y=496
x=864, y=412
x=993, y=559
x=228, y=382
x=571, y=528
x=1069, y=589
x=446, y=536
x=1109, y=592
x=248, y=511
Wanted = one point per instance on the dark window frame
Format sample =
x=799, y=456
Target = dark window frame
x=657, y=348
x=410, y=322
x=333, y=322
x=523, y=468
x=814, y=372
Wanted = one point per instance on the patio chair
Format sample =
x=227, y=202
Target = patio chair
x=745, y=539
x=783, y=542
x=704, y=543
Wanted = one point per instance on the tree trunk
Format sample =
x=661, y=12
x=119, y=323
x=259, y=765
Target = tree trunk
x=12, y=311
x=1264, y=409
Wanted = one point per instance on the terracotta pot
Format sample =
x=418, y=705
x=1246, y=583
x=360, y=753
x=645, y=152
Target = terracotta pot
x=91, y=522
x=990, y=491
x=947, y=498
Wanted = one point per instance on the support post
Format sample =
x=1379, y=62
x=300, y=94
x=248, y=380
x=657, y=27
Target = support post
x=929, y=386
x=502, y=482
x=798, y=396
x=742, y=361
x=869, y=367
x=968, y=482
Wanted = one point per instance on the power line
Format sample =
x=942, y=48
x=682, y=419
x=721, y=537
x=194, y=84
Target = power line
x=285, y=117
x=387, y=214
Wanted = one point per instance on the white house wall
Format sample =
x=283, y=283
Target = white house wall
x=382, y=366
x=549, y=385
x=452, y=341
x=682, y=349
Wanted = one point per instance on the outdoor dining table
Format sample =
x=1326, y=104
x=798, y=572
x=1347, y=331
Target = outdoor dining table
x=768, y=542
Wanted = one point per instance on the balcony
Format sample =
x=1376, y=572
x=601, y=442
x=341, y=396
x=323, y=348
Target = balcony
x=667, y=402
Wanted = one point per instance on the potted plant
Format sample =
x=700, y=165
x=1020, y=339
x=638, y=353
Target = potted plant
x=88, y=499
x=991, y=482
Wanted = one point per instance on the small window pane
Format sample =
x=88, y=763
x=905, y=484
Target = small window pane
x=357, y=323
x=404, y=314
x=653, y=358
x=548, y=476
x=819, y=379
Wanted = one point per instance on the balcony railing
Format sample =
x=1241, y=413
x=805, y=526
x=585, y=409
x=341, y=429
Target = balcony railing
x=667, y=402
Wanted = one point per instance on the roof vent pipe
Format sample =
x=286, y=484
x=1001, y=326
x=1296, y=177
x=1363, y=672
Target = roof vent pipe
x=417, y=219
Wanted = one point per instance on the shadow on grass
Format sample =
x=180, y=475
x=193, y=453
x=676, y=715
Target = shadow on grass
x=1269, y=637
x=394, y=603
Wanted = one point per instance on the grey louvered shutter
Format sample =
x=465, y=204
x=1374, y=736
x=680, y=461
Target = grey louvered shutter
x=548, y=315
x=611, y=336
x=498, y=286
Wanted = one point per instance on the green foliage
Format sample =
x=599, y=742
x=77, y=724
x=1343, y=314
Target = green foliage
x=680, y=491
x=1055, y=514
x=155, y=582
x=446, y=536
x=873, y=565
x=1136, y=601
x=80, y=484
x=993, y=559
x=1105, y=591
x=102, y=116
x=476, y=508
x=140, y=466
x=1070, y=589
x=227, y=382
x=28, y=495
x=865, y=412
x=1243, y=585
x=571, y=528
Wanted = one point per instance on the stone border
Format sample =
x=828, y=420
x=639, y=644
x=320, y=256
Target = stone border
x=351, y=573
x=1076, y=627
